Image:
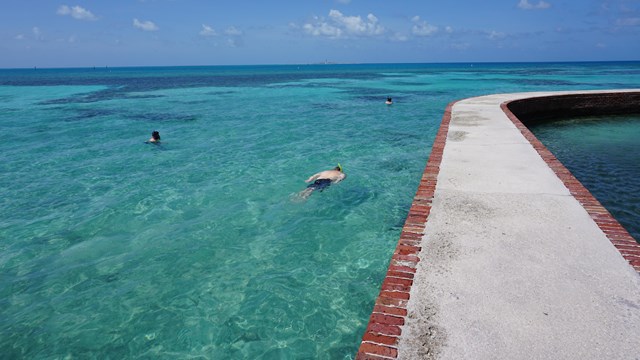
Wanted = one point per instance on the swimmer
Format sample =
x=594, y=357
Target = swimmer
x=322, y=180
x=389, y=101
x=155, y=137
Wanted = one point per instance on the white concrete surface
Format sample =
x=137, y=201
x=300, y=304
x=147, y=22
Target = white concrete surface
x=512, y=266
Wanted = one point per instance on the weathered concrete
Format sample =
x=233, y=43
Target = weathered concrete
x=504, y=254
x=512, y=266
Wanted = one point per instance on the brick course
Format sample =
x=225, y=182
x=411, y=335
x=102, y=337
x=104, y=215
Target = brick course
x=384, y=329
x=609, y=103
x=389, y=313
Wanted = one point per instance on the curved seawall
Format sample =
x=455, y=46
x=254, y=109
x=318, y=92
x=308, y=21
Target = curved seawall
x=504, y=254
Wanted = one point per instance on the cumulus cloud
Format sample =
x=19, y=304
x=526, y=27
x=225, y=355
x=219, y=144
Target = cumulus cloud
x=422, y=28
x=322, y=29
x=495, y=35
x=355, y=24
x=145, y=25
x=207, y=31
x=232, y=31
x=233, y=36
x=76, y=12
x=339, y=25
x=524, y=4
x=232, y=42
x=399, y=37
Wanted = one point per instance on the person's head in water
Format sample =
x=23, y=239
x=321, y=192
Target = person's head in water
x=339, y=168
x=155, y=136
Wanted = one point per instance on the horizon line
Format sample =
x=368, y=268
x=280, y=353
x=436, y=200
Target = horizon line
x=322, y=63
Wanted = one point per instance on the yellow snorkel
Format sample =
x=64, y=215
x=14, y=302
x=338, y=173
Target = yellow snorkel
x=339, y=167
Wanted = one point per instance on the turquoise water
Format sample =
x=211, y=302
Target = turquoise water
x=199, y=247
x=604, y=154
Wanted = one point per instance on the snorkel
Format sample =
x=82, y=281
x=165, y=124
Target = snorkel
x=339, y=167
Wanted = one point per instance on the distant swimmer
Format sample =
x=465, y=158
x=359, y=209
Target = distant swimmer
x=389, y=101
x=155, y=137
x=322, y=180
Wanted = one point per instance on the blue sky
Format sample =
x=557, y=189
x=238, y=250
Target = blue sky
x=85, y=33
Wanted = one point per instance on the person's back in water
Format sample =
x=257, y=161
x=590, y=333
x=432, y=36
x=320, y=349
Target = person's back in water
x=322, y=180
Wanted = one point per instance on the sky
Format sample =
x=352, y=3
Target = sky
x=87, y=33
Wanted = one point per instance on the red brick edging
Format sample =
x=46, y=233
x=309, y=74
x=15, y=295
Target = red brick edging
x=618, y=235
x=380, y=339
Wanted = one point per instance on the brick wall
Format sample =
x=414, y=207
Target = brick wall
x=381, y=337
x=525, y=110
x=384, y=329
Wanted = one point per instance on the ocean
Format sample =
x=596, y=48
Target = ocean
x=604, y=154
x=200, y=247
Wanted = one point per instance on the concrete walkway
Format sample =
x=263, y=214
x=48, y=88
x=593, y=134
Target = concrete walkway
x=510, y=264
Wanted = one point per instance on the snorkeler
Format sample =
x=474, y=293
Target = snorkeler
x=322, y=180
x=389, y=101
x=155, y=137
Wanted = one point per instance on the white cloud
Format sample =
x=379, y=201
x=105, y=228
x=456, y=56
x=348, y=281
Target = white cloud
x=421, y=28
x=76, y=12
x=399, y=37
x=145, y=25
x=524, y=4
x=339, y=25
x=37, y=34
x=355, y=24
x=19, y=37
x=322, y=29
x=495, y=35
x=232, y=31
x=207, y=31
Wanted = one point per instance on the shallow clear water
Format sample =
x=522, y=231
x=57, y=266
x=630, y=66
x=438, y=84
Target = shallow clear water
x=604, y=154
x=199, y=247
